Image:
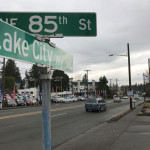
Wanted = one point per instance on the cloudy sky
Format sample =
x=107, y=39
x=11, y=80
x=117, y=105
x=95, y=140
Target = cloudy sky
x=118, y=22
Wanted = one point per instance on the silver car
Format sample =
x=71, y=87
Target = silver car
x=116, y=99
x=11, y=103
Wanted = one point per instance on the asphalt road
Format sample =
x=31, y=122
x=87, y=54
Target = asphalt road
x=21, y=129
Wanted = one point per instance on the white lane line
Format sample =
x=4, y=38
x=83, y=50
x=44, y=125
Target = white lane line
x=59, y=115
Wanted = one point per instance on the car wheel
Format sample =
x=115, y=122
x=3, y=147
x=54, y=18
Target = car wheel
x=86, y=110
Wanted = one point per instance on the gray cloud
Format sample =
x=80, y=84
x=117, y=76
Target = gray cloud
x=118, y=22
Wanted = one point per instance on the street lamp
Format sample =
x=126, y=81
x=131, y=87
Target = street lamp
x=129, y=70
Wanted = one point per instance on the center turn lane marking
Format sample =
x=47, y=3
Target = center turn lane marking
x=39, y=112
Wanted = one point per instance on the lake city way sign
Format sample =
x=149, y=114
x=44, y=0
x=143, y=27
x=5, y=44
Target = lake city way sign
x=19, y=45
x=68, y=24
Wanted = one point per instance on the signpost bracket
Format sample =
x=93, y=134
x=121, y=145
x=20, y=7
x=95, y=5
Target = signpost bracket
x=46, y=38
x=49, y=36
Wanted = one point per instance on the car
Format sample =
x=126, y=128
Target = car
x=75, y=99
x=125, y=97
x=10, y=103
x=116, y=99
x=20, y=102
x=57, y=99
x=67, y=99
x=95, y=104
x=33, y=100
x=29, y=101
x=7, y=96
x=82, y=98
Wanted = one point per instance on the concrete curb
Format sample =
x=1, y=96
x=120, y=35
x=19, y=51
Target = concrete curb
x=118, y=117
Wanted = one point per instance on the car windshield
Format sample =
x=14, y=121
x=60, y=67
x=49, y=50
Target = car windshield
x=8, y=97
x=91, y=100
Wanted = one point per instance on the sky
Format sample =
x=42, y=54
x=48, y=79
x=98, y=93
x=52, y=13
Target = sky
x=118, y=22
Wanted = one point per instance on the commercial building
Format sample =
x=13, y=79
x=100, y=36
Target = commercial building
x=79, y=87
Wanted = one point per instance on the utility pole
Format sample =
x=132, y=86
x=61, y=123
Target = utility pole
x=87, y=83
x=129, y=74
x=129, y=70
x=116, y=85
x=110, y=83
x=144, y=85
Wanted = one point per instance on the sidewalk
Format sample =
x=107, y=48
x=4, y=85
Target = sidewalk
x=135, y=137
x=131, y=132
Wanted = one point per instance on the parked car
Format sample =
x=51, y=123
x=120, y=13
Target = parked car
x=33, y=100
x=29, y=101
x=95, y=104
x=20, y=102
x=116, y=99
x=67, y=99
x=75, y=99
x=82, y=98
x=7, y=96
x=57, y=99
x=10, y=103
x=125, y=97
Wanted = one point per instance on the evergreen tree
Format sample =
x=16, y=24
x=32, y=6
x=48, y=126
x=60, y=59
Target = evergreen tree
x=60, y=80
x=102, y=85
x=33, y=76
x=11, y=70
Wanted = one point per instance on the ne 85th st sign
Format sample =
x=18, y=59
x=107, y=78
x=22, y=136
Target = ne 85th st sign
x=19, y=45
x=68, y=24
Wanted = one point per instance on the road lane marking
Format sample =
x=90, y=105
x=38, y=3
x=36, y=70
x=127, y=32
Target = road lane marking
x=19, y=115
x=59, y=115
x=65, y=108
x=39, y=112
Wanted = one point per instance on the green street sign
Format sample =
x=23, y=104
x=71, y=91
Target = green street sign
x=19, y=45
x=68, y=24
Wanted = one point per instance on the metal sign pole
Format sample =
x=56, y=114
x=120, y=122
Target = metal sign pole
x=46, y=98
